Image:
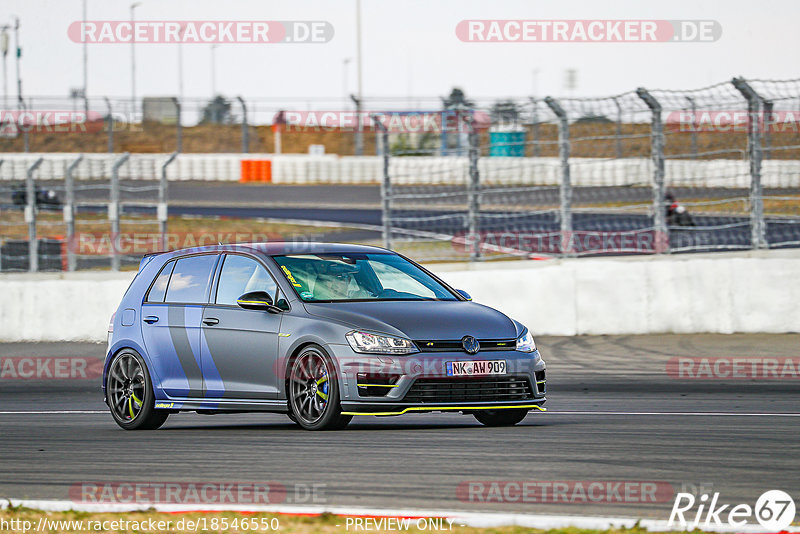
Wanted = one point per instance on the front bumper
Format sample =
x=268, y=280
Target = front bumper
x=395, y=385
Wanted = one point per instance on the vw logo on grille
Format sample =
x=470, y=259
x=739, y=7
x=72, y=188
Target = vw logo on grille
x=470, y=344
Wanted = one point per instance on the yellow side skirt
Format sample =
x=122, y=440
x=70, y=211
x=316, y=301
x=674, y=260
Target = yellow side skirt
x=446, y=408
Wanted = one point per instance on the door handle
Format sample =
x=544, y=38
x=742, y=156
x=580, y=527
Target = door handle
x=150, y=319
x=210, y=321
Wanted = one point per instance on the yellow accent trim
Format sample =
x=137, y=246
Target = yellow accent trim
x=282, y=334
x=323, y=395
x=377, y=385
x=448, y=408
x=253, y=302
x=541, y=381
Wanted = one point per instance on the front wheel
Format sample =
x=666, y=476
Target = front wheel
x=129, y=393
x=507, y=417
x=314, y=392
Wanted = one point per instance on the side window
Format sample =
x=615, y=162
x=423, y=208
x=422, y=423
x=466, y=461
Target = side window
x=159, y=289
x=241, y=275
x=189, y=281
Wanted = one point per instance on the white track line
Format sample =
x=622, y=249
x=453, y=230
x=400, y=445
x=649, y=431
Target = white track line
x=59, y=412
x=472, y=519
x=549, y=412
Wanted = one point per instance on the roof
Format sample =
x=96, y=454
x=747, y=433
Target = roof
x=276, y=248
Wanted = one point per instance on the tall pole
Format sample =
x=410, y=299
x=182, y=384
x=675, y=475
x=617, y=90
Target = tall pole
x=4, y=47
x=180, y=64
x=85, y=67
x=133, y=61
x=359, y=133
x=345, y=64
x=18, y=52
x=213, y=72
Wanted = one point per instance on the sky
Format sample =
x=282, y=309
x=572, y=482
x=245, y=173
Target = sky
x=410, y=49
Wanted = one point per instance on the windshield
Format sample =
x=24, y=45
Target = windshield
x=359, y=277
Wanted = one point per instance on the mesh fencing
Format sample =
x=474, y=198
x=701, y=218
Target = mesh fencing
x=643, y=172
x=78, y=221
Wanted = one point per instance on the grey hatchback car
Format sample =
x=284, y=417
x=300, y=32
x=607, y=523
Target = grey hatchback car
x=320, y=332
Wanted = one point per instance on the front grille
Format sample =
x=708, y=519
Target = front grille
x=427, y=345
x=484, y=389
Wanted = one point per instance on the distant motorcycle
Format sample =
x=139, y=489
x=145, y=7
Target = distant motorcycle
x=677, y=214
x=45, y=198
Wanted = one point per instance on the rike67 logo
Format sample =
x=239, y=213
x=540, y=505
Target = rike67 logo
x=774, y=511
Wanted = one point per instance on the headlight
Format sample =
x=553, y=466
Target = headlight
x=525, y=342
x=377, y=344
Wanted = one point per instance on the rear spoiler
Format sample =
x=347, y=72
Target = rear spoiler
x=148, y=257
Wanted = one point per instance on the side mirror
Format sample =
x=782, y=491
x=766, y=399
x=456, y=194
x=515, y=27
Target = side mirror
x=464, y=294
x=257, y=300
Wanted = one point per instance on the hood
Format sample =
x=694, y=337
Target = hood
x=439, y=320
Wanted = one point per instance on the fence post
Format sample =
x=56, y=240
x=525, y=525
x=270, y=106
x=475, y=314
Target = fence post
x=30, y=216
x=110, y=126
x=618, y=128
x=758, y=233
x=386, y=185
x=565, y=191
x=21, y=122
x=178, y=125
x=163, y=188
x=767, y=122
x=473, y=193
x=245, y=127
x=1, y=239
x=113, y=210
x=69, y=211
x=661, y=241
x=693, y=107
x=535, y=127
x=359, y=134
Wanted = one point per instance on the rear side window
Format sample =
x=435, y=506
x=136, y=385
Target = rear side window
x=159, y=289
x=241, y=275
x=189, y=280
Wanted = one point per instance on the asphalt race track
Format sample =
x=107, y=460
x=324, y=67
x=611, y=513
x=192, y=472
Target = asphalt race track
x=615, y=414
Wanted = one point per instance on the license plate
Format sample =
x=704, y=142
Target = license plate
x=476, y=368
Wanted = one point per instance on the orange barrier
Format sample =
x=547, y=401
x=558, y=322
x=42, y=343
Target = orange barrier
x=256, y=170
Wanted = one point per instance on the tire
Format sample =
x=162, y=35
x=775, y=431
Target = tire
x=505, y=417
x=313, y=391
x=127, y=380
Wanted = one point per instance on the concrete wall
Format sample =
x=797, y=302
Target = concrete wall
x=717, y=293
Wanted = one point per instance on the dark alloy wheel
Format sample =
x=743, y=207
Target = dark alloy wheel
x=504, y=417
x=129, y=393
x=314, y=392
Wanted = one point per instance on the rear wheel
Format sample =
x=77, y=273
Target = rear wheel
x=506, y=417
x=130, y=393
x=314, y=392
